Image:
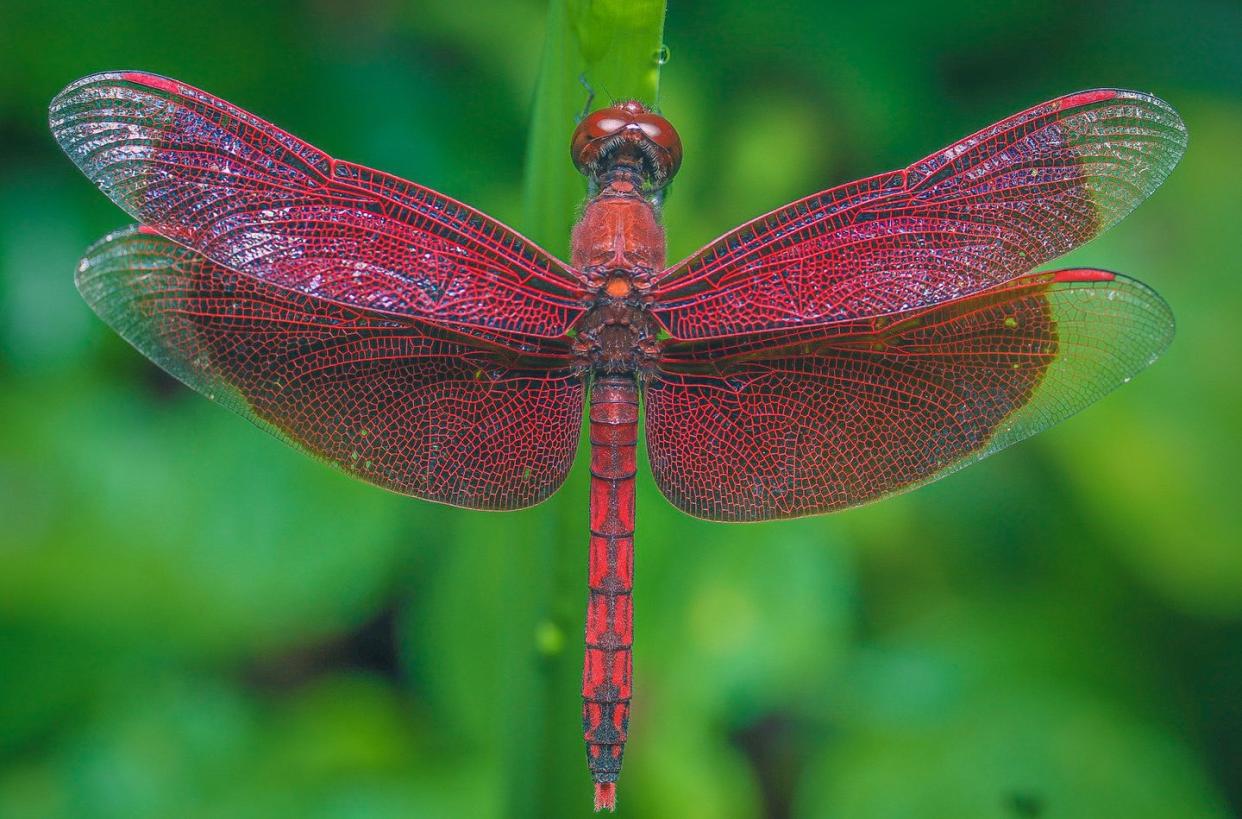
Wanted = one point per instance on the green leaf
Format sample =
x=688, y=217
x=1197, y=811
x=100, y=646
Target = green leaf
x=616, y=47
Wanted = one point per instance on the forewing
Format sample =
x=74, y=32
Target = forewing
x=978, y=213
x=879, y=406
x=398, y=402
x=257, y=200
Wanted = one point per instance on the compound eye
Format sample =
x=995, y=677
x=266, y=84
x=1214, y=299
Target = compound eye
x=659, y=131
x=585, y=145
x=600, y=124
x=604, y=126
x=652, y=130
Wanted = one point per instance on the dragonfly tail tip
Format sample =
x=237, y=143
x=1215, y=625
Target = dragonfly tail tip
x=605, y=796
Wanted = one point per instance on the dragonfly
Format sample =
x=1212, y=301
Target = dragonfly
x=856, y=343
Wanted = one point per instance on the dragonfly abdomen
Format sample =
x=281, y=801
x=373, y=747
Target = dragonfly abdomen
x=608, y=664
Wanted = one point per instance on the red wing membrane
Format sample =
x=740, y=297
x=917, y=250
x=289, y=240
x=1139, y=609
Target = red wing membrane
x=878, y=406
x=395, y=401
x=255, y=199
x=979, y=213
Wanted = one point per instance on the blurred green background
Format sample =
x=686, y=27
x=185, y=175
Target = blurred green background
x=198, y=622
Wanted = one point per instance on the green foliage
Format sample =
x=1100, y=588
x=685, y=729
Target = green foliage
x=196, y=621
x=613, y=48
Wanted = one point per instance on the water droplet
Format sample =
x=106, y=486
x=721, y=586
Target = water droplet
x=549, y=639
x=1112, y=294
x=662, y=56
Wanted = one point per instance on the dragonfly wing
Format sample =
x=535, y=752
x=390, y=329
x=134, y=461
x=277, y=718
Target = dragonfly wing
x=980, y=212
x=257, y=200
x=398, y=402
x=806, y=423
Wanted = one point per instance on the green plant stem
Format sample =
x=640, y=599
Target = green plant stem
x=615, y=46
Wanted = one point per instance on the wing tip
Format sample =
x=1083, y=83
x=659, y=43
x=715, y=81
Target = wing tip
x=1171, y=117
x=101, y=77
x=71, y=91
x=1160, y=310
x=89, y=265
x=1160, y=121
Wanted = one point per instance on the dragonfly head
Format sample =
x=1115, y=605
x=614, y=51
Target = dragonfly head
x=627, y=135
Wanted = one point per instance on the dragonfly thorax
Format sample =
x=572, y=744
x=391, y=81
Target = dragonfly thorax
x=619, y=234
x=617, y=336
x=618, y=245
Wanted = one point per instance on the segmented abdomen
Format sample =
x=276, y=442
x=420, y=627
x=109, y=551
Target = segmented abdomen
x=608, y=666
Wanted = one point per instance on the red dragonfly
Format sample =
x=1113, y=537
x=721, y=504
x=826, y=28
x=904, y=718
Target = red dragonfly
x=856, y=343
